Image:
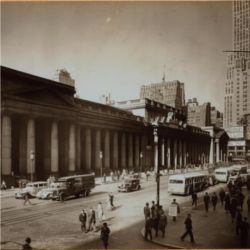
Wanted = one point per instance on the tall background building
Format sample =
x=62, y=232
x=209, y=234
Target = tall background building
x=171, y=93
x=237, y=89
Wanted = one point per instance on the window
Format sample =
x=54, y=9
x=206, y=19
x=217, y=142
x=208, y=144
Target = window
x=176, y=181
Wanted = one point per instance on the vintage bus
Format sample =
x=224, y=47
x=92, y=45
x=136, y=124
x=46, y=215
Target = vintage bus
x=223, y=174
x=187, y=183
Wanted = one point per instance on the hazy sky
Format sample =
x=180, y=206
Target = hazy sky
x=115, y=47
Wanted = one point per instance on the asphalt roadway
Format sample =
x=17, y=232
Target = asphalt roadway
x=55, y=225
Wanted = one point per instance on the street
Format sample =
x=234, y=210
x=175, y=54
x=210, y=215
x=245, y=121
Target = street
x=53, y=224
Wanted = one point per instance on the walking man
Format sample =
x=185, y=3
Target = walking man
x=163, y=223
x=100, y=212
x=244, y=230
x=148, y=228
x=105, y=231
x=111, y=200
x=214, y=200
x=27, y=245
x=26, y=199
x=194, y=199
x=146, y=211
x=83, y=220
x=189, y=229
x=206, y=201
x=174, y=202
x=92, y=220
x=238, y=221
x=222, y=195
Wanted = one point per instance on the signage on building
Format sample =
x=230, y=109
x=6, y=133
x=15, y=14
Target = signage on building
x=236, y=143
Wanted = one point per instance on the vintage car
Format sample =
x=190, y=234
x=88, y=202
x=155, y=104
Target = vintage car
x=31, y=189
x=130, y=184
x=47, y=193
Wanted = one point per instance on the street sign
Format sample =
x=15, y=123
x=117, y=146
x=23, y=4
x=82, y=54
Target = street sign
x=172, y=210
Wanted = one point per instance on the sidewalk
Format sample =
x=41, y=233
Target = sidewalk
x=212, y=230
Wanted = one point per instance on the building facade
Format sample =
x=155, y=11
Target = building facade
x=171, y=93
x=216, y=117
x=198, y=115
x=237, y=88
x=238, y=145
x=46, y=130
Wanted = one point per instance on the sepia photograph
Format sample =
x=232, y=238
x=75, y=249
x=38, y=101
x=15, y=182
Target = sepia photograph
x=125, y=125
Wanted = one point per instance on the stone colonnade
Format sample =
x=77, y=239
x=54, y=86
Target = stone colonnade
x=63, y=148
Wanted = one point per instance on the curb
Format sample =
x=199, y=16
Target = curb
x=163, y=244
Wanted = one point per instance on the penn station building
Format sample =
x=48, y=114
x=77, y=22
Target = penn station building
x=47, y=130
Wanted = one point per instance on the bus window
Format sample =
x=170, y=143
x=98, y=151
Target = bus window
x=176, y=181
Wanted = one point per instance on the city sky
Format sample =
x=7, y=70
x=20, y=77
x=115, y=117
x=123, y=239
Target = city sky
x=115, y=47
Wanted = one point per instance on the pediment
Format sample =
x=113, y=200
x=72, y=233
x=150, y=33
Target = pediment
x=47, y=96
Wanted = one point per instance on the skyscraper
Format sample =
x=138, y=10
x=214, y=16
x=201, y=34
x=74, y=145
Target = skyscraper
x=171, y=93
x=237, y=89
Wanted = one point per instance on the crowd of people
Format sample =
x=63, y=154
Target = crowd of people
x=94, y=220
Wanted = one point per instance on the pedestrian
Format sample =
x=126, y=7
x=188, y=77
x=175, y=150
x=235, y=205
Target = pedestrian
x=162, y=223
x=174, y=202
x=194, y=199
x=214, y=200
x=233, y=208
x=27, y=245
x=104, y=178
x=206, y=201
x=244, y=230
x=241, y=198
x=248, y=183
x=105, y=231
x=111, y=200
x=100, y=212
x=118, y=175
x=112, y=175
x=189, y=229
x=27, y=199
x=92, y=220
x=227, y=202
x=248, y=204
x=147, y=175
x=146, y=211
x=148, y=228
x=83, y=220
x=153, y=210
x=156, y=219
x=238, y=221
x=222, y=195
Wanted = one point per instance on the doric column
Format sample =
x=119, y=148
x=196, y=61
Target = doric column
x=107, y=150
x=78, y=148
x=175, y=153
x=169, y=152
x=30, y=146
x=54, y=148
x=115, y=150
x=6, y=145
x=98, y=157
x=137, y=151
x=217, y=150
x=123, y=151
x=72, y=149
x=211, y=153
x=184, y=154
x=163, y=152
x=180, y=153
x=23, y=147
x=130, y=151
x=88, y=151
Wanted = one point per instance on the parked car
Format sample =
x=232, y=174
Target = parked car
x=54, y=188
x=130, y=184
x=31, y=189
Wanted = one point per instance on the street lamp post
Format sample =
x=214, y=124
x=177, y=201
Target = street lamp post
x=156, y=163
x=32, y=158
x=141, y=156
x=101, y=156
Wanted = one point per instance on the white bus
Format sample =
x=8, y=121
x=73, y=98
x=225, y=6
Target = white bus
x=223, y=174
x=187, y=183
